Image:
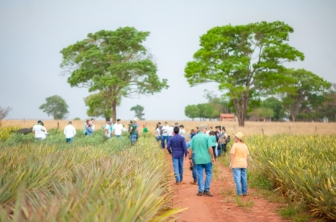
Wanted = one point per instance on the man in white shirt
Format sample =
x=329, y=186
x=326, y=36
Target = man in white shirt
x=182, y=131
x=107, y=130
x=69, y=132
x=164, y=137
x=39, y=131
x=92, y=124
x=118, y=128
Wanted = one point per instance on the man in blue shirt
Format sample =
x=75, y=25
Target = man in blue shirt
x=178, y=148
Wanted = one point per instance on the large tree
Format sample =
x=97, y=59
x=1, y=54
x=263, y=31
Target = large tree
x=56, y=107
x=308, y=92
x=113, y=62
x=138, y=111
x=246, y=60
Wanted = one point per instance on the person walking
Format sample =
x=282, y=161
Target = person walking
x=164, y=136
x=132, y=130
x=212, y=136
x=89, y=129
x=69, y=132
x=182, y=131
x=118, y=128
x=204, y=158
x=85, y=127
x=158, y=132
x=39, y=131
x=238, y=163
x=108, y=130
x=177, y=147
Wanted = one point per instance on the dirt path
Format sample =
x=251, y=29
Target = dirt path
x=223, y=206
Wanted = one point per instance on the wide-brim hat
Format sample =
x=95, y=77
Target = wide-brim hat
x=239, y=135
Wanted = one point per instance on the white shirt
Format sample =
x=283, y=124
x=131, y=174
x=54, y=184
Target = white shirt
x=69, y=131
x=182, y=132
x=40, y=131
x=92, y=127
x=170, y=131
x=157, y=132
x=165, y=130
x=107, y=130
x=118, y=128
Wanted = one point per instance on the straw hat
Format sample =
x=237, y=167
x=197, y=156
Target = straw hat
x=239, y=135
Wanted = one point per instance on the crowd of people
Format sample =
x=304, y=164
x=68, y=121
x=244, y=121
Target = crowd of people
x=204, y=145
x=109, y=129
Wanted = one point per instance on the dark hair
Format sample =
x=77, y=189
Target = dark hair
x=118, y=120
x=176, y=129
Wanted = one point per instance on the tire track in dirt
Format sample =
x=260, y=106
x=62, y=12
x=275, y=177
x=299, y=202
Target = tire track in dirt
x=222, y=206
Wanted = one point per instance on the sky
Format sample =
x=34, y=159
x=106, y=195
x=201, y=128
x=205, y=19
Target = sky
x=32, y=34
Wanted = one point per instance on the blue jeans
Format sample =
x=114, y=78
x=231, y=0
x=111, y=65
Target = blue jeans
x=219, y=148
x=118, y=136
x=208, y=175
x=163, y=139
x=194, y=171
x=178, y=168
x=133, y=138
x=240, y=179
x=69, y=140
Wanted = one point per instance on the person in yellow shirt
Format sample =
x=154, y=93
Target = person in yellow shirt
x=239, y=162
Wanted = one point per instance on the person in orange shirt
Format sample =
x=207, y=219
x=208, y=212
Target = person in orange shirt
x=239, y=162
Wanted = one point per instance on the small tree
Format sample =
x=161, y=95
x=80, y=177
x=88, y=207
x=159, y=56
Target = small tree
x=192, y=111
x=55, y=106
x=4, y=113
x=138, y=111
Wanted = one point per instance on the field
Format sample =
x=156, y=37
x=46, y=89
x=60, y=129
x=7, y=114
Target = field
x=92, y=179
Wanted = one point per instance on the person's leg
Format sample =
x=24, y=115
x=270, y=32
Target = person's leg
x=176, y=169
x=181, y=161
x=163, y=142
x=237, y=179
x=224, y=148
x=194, y=171
x=213, y=149
x=199, y=168
x=208, y=173
x=244, y=180
x=219, y=149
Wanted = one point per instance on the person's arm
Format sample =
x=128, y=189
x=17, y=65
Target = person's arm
x=211, y=150
x=211, y=154
x=231, y=160
x=168, y=147
x=185, y=148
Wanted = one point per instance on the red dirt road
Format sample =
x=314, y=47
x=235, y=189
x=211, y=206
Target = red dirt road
x=223, y=205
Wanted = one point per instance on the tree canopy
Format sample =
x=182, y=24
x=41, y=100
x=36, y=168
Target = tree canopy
x=114, y=64
x=308, y=93
x=246, y=60
x=138, y=111
x=56, y=107
x=192, y=111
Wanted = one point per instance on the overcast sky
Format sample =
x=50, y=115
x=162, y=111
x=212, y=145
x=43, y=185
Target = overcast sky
x=32, y=34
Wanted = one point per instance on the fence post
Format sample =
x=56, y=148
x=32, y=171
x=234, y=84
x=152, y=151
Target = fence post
x=57, y=125
x=290, y=129
x=262, y=131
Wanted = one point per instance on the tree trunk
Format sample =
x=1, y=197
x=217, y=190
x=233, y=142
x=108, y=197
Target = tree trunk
x=114, y=110
x=241, y=106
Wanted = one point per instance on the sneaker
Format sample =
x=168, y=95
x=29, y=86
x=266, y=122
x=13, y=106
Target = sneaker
x=244, y=194
x=200, y=194
x=207, y=193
